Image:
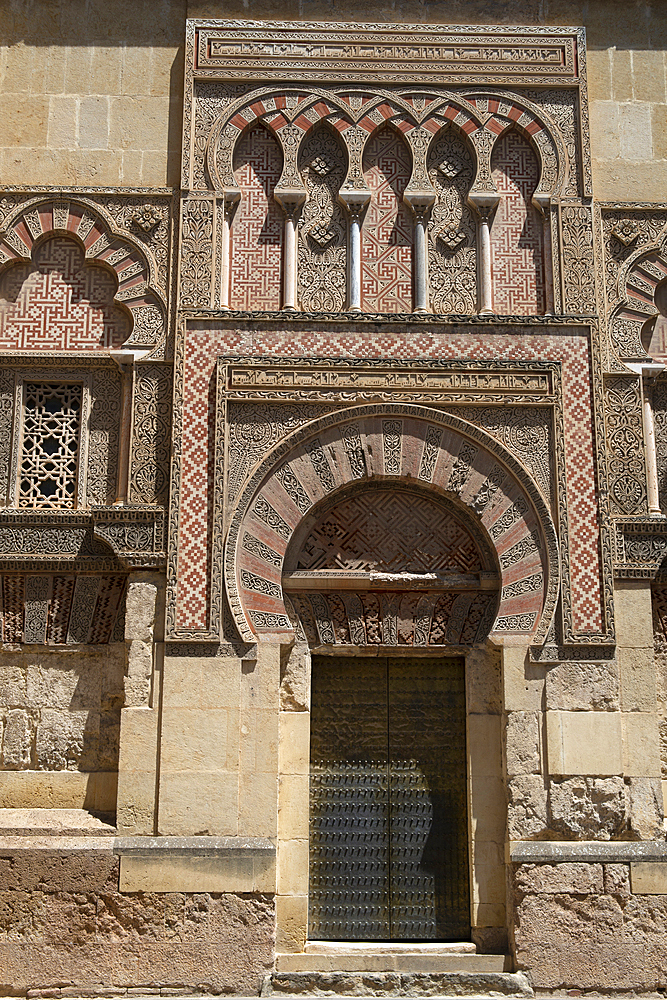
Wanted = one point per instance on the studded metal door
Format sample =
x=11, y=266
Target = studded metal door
x=388, y=826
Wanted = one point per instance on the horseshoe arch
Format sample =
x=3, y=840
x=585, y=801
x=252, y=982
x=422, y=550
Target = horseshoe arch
x=437, y=452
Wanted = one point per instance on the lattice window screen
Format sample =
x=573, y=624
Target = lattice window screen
x=50, y=449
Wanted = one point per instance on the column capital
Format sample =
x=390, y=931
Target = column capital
x=354, y=200
x=484, y=203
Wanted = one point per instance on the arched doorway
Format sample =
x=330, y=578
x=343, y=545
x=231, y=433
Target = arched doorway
x=387, y=569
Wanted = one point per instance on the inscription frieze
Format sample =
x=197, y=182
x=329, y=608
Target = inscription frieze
x=265, y=379
x=411, y=53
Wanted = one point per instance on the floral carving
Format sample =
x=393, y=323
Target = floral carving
x=452, y=253
x=323, y=226
x=625, y=447
x=150, y=441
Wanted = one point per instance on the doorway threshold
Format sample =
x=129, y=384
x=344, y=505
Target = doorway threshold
x=381, y=957
x=390, y=947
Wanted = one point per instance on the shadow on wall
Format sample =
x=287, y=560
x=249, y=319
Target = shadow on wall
x=60, y=711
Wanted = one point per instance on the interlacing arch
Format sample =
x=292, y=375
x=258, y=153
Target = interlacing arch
x=291, y=113
x=644, y=270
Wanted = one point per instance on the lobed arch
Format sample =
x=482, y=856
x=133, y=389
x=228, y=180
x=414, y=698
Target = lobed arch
x=293, y=112
x=103, y=244
x=388, y=444
x=644, y=270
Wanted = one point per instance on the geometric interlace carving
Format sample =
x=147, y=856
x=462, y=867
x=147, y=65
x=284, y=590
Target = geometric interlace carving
x=516, y=230
x=322, y=226
x=62, y=609
x=386, y=270
x=392, y=532
x=258, y=224
x=51, y=425
x=60, y=301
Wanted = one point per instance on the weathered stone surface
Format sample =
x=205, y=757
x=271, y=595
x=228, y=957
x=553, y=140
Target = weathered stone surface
x=589, y=941
x=139, y=671
x=522, y=743
x=644, y=806
x=397, y=984
x=61, y=708
x=140, y=610
x=587, y=851
x=483, y=681
x=52, y=822
x=586, y=808
x=65, y=740
x=527, y=806
x=572, y=686
x=213, y=943
x=46, y=872
x=490, y=940
x=617, y=879
x=295, y=678
x=16, y=739
x=574, y=877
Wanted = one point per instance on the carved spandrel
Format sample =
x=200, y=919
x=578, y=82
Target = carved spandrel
x=322, y=225
x=452, y=228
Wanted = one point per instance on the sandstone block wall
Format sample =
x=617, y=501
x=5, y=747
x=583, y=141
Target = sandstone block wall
x=59, y=726
x=63, y=923
x=578, y=926
x=582, y=738
x=97, y=99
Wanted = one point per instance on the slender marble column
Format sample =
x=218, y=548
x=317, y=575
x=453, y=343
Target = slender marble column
x=355, y=202
x=290, y=201
x=355, y=263
x=484, y=249
x=421, y=210
x=484, y=204
x=290, y=247
x=651, y=459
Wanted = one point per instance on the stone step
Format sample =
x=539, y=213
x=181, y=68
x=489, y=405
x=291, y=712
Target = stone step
x=389, y=960
x=390, y=947
x=469, y=983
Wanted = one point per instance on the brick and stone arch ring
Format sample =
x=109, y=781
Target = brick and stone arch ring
x=103, y=244
x=406, y=445
x=484, y=128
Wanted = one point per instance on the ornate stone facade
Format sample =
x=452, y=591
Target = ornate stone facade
x=380, y=383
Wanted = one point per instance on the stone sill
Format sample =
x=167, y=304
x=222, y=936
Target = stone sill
x=165, y=864
x=191, y=846
x=587, y=851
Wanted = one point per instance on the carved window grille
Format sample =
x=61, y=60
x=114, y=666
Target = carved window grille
x=50, y=443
